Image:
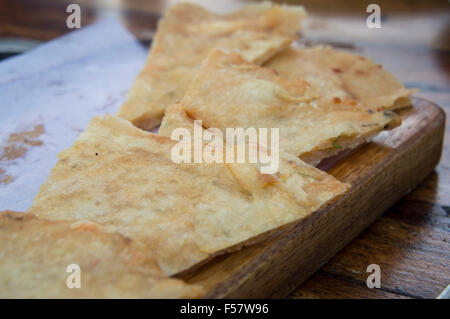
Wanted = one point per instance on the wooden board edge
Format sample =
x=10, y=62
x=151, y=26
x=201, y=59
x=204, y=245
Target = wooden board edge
x=283, y=266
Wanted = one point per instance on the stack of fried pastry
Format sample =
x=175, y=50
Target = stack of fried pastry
x=119, y=207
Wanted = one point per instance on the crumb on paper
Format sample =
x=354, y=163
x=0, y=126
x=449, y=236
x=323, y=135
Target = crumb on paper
x=27, y=137
x=4, y=178
x=17, y=146
x=12, y=152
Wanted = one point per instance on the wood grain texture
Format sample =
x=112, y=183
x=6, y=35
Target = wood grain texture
x=380, y=173
x=328, y=286
x=414, y=46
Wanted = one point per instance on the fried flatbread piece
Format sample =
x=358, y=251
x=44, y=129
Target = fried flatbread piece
x=125, y=179
x=341, y=74
x=35, y=255
x=186, y=34
x=175, y=117
x=230, y=92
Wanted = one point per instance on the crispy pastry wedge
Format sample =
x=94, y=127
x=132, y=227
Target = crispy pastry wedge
x=343, y=75
x=184, y=37
x=125, y=179
x=230, y=92
x=176, y=117
x=35, y=255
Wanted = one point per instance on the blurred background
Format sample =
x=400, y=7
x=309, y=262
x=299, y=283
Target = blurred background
x=413, y=44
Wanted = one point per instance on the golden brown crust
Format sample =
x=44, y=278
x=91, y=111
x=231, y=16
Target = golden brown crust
x=175, y=117
x=186, y=34
x=343, y=75
x=124, y=178
x=246, y=95
x=35, y=254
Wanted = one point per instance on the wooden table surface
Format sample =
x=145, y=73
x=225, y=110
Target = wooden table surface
x=411, y=242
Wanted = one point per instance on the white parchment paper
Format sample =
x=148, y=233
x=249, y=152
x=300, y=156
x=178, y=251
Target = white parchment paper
x=60, y=85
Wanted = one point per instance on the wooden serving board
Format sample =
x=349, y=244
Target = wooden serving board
x=380, y=173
